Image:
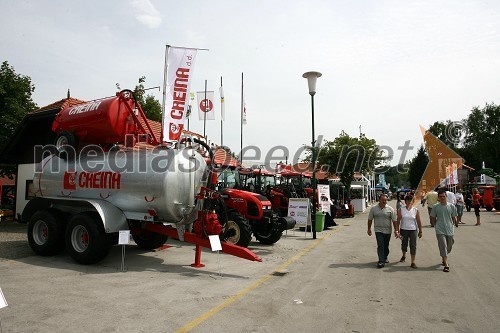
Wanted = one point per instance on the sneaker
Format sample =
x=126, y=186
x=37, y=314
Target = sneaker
x=380, y=265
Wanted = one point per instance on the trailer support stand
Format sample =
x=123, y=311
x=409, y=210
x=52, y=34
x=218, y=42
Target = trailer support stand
x=197, y=258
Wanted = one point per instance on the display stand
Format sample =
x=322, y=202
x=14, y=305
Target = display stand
x=123, y=239
x=298, y=209
x=216, y=246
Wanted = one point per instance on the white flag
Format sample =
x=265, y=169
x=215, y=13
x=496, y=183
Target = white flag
x=206, y=107
x=244, y=119
x=222, y=104
x=179, y=71
x=192, y=96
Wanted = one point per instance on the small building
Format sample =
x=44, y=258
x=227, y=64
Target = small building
x=34, y=130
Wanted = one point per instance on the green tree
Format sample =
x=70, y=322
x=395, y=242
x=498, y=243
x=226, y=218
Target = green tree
x=345, y=156
x=15, y=101
x=482, y=139
x=416, y=167
x=449, y=132
x=150, y=105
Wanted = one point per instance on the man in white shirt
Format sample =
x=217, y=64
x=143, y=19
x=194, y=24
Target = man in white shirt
x=459, y=198
x=450, y=197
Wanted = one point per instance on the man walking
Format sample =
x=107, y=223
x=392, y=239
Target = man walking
x=444, y=218
x=431, y=198
x=382, y=215
x=460, y=206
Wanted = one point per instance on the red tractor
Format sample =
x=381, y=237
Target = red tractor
x=266, y=225
x=289, y=184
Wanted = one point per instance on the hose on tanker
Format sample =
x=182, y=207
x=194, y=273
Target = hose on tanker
x=204, y=144
x=211, y=153
x=131, y=93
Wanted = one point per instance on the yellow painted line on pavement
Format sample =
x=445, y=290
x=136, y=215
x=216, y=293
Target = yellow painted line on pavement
x=256, y=284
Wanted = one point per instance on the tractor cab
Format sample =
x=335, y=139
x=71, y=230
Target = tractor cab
x=257, y=180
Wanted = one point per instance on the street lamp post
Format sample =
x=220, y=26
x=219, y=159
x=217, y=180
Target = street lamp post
x=311, y=82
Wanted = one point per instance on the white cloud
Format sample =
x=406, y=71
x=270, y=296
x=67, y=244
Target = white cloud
x=146, y=13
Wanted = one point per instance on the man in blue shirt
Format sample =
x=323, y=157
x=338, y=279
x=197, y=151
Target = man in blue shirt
x=382, y=216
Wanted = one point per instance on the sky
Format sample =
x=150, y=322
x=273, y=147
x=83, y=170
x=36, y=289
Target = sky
x=387, y=67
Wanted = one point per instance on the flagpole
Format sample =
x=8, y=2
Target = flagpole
x=164, y=92
x=205, y=112
x=241, y=121
x=221, y=129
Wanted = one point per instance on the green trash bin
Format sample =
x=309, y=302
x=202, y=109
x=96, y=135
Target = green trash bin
x=320, y=221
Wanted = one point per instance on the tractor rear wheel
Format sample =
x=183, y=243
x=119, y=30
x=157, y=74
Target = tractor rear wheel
x=237, y=230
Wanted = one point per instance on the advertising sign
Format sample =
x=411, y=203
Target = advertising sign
x=298, y=209
x=324, y=198
x=178, y=74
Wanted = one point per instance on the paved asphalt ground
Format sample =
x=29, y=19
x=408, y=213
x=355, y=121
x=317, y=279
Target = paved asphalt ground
x=330, y=284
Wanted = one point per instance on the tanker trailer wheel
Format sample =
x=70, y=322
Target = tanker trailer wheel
x=237, y=230
x=86, y=241
x=46, y=233
x=66, y=144
x=148, y=240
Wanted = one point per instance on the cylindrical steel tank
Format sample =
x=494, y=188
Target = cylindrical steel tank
x=98, y=122
x=134, y=180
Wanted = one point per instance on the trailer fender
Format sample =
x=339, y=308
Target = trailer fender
x=113, y=218
x=33, y=206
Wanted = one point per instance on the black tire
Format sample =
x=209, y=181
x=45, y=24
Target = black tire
x=489, y=208
x=236, y=230
x=269, y=238
x=86, y=240
x=46, y=233
x=149, y=240
x=66, y=144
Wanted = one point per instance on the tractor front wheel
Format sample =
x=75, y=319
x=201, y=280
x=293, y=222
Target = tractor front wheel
x=237, y=230
x=270, y=237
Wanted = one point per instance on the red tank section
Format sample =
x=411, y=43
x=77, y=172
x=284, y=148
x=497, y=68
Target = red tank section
x=105, y=121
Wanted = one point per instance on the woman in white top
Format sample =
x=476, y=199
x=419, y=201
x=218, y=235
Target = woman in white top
x=409, y=223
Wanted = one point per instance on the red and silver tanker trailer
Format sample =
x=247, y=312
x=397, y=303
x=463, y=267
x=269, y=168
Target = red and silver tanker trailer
x=156, y=192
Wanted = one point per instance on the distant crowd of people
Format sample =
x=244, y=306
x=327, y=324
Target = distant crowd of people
x=445, y=210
